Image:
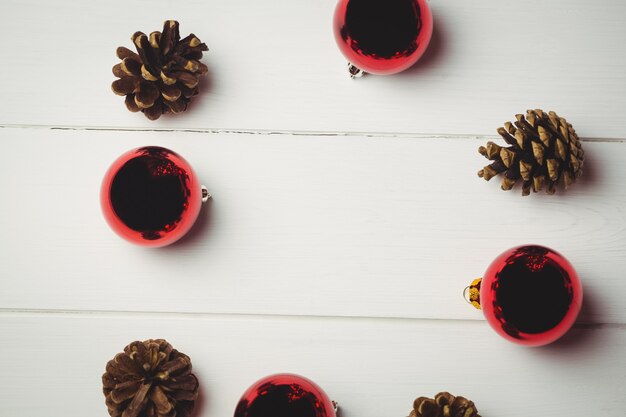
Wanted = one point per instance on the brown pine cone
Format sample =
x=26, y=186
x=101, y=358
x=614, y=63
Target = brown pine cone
x=150, y=379
x=163, y=75
x=545, y=151
x=444, y=405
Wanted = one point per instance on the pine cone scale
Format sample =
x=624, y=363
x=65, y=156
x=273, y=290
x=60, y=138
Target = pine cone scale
x=167, y=79
x=170, y=92
x=139, y=401
x=177, y=106
x=183, y=396
x=131, y=67
x=149, y=56
x=176, y=367
x=544, y=136
x=196, y=53
x=187, y=92
x=123, y=364
x=170, y=36
x=125, y=86
x=123, y=53
x=147, y=75
x=190, y=44
x=507, y=156
x=161, y=402
x=187, y=383
x=154, y=39
x=186, y=78
x=146, y=96
x=130, y=103
x=538, y=152
x=125, y=391
x=118, y=71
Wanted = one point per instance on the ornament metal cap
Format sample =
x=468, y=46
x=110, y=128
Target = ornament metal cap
x=354, y=71
x=471, y=293
x=529, y=294
x=205, y=194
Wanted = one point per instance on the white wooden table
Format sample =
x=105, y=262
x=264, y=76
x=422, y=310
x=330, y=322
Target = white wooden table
x=347, y=216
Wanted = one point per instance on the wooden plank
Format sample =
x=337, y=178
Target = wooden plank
x=371, y=367
x=275, y=66
x=335, y=225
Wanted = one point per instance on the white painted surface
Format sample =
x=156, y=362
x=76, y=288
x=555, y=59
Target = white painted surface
x=337, y=246
x=274, y=65
x=306, y=225
x=372, y=367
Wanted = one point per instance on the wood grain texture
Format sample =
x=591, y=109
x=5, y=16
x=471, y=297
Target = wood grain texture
x=275, y=66
x=299, y=225
x=347, y=215
x=372, y=368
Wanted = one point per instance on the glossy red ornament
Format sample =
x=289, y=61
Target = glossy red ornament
x=382, y=36
x=530, y=295
x=285, y=395
x=151, y=196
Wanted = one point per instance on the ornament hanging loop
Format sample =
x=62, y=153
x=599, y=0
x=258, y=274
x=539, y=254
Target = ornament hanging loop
x=466, y=294
x=354, y=71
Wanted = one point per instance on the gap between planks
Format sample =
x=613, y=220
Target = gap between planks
x=18, y=312
x=261, y=132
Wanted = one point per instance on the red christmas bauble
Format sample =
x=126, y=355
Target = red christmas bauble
x=285, y=395
x=151, y=196
x=530, y=295
x=383, y=36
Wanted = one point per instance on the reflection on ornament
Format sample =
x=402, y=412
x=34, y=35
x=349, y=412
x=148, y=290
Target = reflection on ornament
x=151, y=196
x=382, y=36
x=530, y=295
x=285, y=395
